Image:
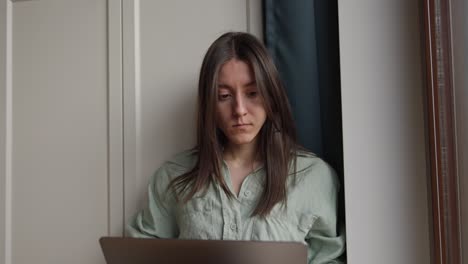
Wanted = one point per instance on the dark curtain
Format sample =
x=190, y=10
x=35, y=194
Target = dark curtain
x=302, y=37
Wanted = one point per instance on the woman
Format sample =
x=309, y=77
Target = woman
x=247, y=178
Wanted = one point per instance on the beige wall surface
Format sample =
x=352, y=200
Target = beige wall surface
x=94, y=96
x=89, y=118
x=383, y=132
x=58, y=182
x=5, y=93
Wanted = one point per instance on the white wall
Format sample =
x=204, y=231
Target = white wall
x=459, y=10
x=5, y=124
x=73, y=84
x=383, y=132
x=89, y=95
x=54, y=201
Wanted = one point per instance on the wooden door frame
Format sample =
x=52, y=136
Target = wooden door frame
x=441, y=131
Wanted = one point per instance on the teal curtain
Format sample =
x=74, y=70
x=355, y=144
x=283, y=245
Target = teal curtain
x=302, y=37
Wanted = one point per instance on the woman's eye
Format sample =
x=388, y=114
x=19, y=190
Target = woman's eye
x=252, y=94
x=223, y=96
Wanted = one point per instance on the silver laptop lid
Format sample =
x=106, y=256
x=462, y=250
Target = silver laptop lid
x=165, y=251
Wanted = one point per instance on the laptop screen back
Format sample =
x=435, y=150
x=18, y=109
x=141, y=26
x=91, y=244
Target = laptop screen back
x=165, y=251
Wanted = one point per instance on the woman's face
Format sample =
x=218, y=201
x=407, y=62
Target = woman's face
x=240, y=113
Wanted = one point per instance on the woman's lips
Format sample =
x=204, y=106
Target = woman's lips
x=241, y=125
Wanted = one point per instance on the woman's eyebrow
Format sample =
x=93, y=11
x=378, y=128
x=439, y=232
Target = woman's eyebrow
x=226, y=86
x=222, y=85
x=250, y=83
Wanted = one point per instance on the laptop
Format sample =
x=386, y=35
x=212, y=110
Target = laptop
x=118, y=250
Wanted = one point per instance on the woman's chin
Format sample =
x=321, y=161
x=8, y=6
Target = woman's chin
x=243, y=140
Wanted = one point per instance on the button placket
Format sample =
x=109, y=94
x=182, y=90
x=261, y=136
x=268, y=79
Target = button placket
x=229, y=214
x=233, y=227
x=238, y=220
x=225, y=207
x=230, y=217
x=245, y=194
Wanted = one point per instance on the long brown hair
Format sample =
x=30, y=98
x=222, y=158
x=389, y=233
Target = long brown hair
x=277, y=138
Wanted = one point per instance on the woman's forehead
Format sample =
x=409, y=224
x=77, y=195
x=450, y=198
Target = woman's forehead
x=236, y=71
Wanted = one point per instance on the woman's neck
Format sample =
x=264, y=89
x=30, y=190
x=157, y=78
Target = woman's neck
x=241, y=155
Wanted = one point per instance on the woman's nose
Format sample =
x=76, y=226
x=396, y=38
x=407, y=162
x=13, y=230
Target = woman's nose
x=239, y=106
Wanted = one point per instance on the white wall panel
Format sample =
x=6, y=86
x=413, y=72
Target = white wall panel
x=82, y=110
x=115, y=118
x=59, y=122
x=5, y=132
x=64, y=112
x=255, y=18
x=164, y=44
x=383, y=132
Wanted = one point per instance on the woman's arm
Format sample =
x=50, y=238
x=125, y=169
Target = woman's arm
x=325, y=238
x=325, y=245
x=158, y=219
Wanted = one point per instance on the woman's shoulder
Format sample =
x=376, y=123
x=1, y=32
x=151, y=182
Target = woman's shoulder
x=312, y=169
x=184, y=160
x=178, y=164
x=306, y=161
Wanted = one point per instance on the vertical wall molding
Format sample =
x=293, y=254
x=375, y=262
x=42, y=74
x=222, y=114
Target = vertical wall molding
x=131, y=103
x=254, y=18
x=115, y=119
x=247, y=14
x=5, y=130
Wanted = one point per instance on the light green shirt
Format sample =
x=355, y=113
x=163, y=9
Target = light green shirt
x=310, y=214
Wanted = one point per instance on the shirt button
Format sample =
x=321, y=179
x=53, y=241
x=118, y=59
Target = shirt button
x=233, y=226
x=247, y=193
